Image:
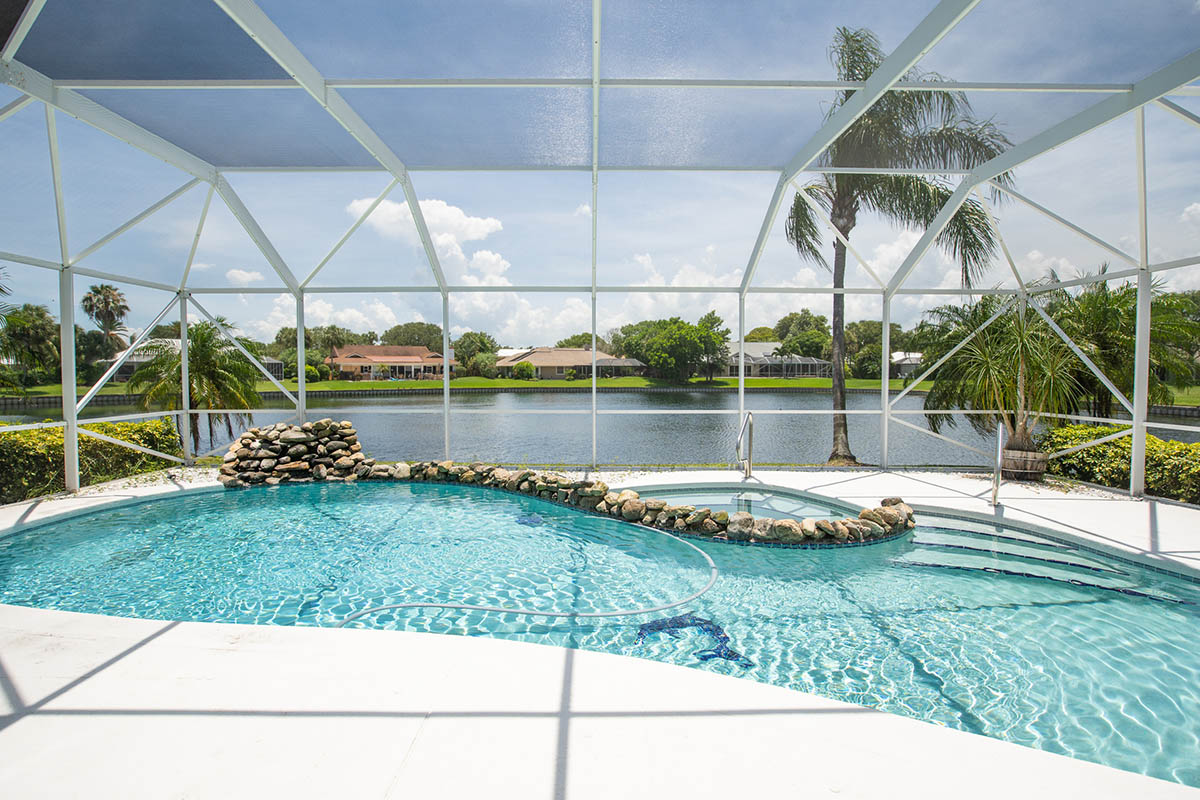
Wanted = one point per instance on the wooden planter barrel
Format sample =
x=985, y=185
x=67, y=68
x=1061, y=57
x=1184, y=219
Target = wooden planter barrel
x=1023, y=465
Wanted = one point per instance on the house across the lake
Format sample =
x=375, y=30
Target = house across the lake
x=141, y=356
x=904, y=364
x=760, y=363
x=362, y=362
x=553, y=362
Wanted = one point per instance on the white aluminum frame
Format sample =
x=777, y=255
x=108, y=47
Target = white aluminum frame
x=1119, y=99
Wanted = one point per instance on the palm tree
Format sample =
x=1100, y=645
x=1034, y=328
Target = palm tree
x=1017, y=365
x=219, y=376
x=1102, y=320
x=928, y=130
x=106, y=305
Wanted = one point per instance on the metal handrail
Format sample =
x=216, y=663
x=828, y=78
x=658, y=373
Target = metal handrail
x=1000, y=431
x=747, y=428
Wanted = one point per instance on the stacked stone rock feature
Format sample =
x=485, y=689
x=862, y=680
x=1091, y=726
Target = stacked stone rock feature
x=328, y=450
x=324, y=450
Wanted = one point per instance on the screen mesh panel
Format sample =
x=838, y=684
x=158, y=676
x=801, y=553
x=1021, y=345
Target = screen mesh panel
x=440, y=38
x=142, y=39
x=241, y=128
x=481, y=128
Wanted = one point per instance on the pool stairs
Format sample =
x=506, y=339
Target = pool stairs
x=1025, y=555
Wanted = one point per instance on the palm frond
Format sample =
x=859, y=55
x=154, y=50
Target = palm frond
x=803, y=229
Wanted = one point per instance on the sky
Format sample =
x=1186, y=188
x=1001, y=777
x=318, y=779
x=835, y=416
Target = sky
x=499, y=228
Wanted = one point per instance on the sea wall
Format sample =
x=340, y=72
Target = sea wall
x=330, y=451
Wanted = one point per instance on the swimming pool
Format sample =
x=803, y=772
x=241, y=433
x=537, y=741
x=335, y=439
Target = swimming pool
x=997, y=632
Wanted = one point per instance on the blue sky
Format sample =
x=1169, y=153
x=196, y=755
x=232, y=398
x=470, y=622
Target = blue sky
x=499, y=228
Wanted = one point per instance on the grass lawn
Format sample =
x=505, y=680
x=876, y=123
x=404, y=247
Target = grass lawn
x=55, y=389
x=1187, y=397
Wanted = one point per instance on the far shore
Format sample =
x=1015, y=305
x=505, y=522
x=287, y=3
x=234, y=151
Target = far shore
x=1187, y=402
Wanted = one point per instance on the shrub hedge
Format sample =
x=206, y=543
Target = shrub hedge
x=31, y=462
x=1172, y=468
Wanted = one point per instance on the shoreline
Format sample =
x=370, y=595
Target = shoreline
x=17, y=404
x=55, y=401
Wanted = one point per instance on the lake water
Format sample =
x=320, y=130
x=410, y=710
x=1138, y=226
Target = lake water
x=554, y=428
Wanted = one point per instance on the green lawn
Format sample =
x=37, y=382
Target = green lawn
x=507, y=383
x=1187, y=397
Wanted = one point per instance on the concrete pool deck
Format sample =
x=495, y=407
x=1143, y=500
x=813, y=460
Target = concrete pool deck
x=94, y=706
x=103, y=707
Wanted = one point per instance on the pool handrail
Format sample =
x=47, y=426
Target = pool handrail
x=747, y=428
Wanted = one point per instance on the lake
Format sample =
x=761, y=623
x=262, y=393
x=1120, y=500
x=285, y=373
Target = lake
x=556, y=428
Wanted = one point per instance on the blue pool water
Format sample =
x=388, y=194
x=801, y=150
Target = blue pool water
x=996, y=632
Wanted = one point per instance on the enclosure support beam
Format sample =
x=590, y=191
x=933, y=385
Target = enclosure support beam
x=446, y=354
x=350, y=232
x=103, y=240
x=35, y=84
x=1180, y=111
x=66, y=324
x=250, y=224
x=1141, y=354
x=185, y=387
x=66, y=349
x=885, y=373
x=187, y=267
x=939, y=22
x=129, y=351
x=595, y=191
x=301, y=360
x=741, y=360
x=1066, y=223
x=21, y=29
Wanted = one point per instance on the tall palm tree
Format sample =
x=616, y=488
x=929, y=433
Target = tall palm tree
x=106, y=305
x=219, y=376
x=928, y=130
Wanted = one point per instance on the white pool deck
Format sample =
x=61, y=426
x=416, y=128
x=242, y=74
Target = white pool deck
x=99, y=707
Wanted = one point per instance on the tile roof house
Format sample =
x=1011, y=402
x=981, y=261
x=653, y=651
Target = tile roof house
x=553, y=362
x=376, y=361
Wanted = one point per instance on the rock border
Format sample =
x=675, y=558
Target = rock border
x=325, y=450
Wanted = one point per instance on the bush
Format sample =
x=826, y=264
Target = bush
x=570, y=374
x=1172, y=468
x=311, y=374
x=524, y=371
x=31, y=462
x=483, y=365
x=324, y=371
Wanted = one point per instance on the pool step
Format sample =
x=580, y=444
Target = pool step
x=1024, y=550
x=996, y=562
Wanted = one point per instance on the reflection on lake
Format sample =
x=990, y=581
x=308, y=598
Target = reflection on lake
x=557, y=428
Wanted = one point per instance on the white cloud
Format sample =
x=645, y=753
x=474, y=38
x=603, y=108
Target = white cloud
x=445, y=221
x=200, y=266
x=243, y=277
x=584, y=210
x=1036, y=264
x=1191, y=214
x=368, y=315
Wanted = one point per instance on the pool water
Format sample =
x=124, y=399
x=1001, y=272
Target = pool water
x=992, y=631
x=759, y=502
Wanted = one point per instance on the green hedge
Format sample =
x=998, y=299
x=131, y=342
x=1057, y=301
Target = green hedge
x=1172, y=468
x=31, y=462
